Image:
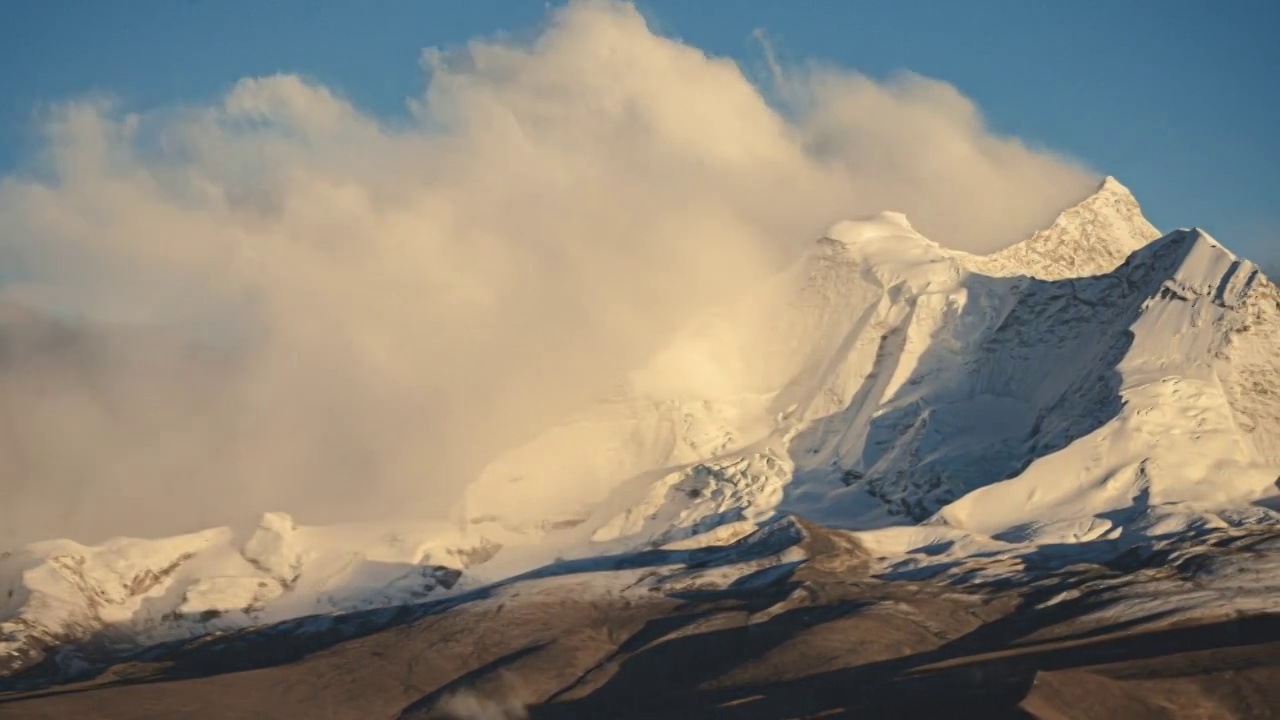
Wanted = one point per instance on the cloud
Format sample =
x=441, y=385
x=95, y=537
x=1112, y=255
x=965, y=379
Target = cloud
x=918, y=145
x=297, y=306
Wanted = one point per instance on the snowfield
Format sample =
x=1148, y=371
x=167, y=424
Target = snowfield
x=1091, y=390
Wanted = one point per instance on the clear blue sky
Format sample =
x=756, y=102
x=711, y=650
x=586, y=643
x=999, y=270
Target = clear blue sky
x=1180, y=99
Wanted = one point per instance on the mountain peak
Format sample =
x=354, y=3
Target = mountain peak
x=1112, y=186
x=882, y=224
x=1092, y=237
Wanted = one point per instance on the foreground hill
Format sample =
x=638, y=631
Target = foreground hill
x=786, y=623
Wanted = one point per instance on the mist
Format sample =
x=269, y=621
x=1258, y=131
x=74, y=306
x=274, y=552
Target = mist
x=275, y=301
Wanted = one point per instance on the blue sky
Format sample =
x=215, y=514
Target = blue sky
x=1177, y=98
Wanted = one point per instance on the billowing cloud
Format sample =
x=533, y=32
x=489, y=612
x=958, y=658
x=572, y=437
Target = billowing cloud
x=297, y=306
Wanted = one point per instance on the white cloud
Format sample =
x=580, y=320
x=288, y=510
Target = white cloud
x=404, y=301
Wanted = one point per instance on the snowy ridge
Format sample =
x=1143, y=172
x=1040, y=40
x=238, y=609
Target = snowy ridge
x=129, y=592
x=1086, y=388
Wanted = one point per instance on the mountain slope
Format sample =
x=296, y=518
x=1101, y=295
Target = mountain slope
x=1178, y=443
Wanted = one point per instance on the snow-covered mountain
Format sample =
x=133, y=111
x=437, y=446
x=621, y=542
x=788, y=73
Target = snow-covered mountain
x=885, y=380
x=1092, y=387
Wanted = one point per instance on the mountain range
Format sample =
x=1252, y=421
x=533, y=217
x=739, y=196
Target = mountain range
x=1098, y=391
